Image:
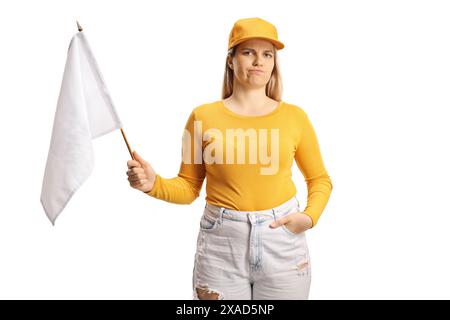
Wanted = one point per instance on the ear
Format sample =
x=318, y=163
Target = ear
x=229, y=63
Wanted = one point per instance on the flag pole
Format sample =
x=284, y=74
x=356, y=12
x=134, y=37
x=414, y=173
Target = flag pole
x=121, y=130
x=128, y=145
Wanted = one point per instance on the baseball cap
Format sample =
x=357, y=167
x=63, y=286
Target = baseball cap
x=249, y=28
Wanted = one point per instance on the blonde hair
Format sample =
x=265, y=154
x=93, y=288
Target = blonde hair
x=274, y=87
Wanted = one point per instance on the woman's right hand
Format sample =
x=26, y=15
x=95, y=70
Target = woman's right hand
x=140, y=173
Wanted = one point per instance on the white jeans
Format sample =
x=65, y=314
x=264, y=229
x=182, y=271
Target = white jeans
x=240, y=257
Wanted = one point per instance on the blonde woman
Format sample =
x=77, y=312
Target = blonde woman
x=251, y=242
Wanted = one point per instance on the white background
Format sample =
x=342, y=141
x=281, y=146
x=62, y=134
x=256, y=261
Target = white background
x=373, y=76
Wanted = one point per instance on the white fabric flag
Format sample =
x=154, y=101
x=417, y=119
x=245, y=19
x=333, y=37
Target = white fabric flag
x=84, y=112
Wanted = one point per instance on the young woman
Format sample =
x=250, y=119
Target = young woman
x=251, y=242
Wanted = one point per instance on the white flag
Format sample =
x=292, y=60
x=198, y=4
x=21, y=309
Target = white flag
x=84, y=111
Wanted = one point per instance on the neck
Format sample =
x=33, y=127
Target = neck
x=250, y=99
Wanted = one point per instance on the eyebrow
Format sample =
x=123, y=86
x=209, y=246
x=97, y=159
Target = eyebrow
x=254, y=50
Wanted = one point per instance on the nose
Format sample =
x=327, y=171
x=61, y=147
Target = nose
x=257, y=60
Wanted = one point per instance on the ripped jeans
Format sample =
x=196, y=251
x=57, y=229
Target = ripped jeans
x=240, y=257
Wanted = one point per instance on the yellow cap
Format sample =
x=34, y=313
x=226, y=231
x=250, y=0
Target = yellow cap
x=244, y=29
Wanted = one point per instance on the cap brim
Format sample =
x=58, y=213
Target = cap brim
x=279, y=45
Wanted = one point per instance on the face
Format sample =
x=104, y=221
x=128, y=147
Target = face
x=253, y=62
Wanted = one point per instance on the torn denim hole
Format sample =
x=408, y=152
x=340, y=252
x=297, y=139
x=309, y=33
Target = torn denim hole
x=302, y=266
x=207, y=294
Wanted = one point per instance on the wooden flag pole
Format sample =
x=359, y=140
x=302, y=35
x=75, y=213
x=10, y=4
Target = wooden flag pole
x=128, y=145
x=121, y=130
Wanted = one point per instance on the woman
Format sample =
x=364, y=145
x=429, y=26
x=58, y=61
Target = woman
x=251, y=243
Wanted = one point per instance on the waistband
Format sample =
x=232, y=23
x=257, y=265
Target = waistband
x=276, y=212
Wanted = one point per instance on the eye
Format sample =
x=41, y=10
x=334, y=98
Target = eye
x=266, y=54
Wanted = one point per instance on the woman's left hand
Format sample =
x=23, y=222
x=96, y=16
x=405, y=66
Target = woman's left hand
x=296, y=222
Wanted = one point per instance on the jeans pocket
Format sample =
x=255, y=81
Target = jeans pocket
x=285, y=228
x=209, y=223
x=289, y=232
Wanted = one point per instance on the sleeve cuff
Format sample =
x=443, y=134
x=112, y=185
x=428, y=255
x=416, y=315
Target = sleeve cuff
x=155, y=186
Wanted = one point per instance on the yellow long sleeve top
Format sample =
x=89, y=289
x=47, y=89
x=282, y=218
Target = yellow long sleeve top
x=247, y=160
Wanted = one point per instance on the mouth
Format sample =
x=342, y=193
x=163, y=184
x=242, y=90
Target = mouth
x=256, y=71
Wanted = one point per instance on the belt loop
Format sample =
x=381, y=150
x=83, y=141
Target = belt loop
x=273, y=213
x=222, y=209
x=298, y=203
